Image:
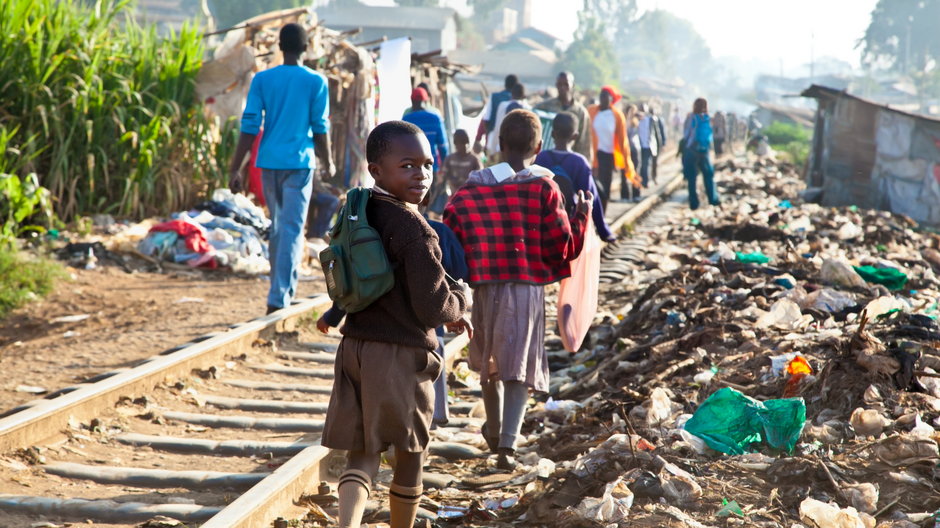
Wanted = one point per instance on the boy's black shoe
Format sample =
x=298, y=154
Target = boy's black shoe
x=506, y=460
x=272, y=309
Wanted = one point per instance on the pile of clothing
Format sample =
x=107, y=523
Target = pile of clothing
x=226, y=231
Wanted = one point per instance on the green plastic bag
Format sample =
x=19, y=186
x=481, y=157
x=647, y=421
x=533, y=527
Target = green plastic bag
x=752, y=258
x=887, y=277
x=730, y=422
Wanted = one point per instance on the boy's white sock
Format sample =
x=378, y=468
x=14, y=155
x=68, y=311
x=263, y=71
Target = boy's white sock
x=353, y=490
x=403, y=504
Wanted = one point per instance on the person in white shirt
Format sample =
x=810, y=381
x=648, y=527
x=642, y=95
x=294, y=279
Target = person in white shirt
x=649, y=145
x=517, y=102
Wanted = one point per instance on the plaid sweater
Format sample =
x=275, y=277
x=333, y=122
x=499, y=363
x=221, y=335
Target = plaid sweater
x=515, y=230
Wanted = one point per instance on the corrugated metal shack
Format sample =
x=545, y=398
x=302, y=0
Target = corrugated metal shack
x=871, y=155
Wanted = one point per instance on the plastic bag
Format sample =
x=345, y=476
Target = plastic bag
x=755, y=257
x=885, y=305
x=829, y=300
x=784, y=313
x=849, y=230
x=612, y=507
x=730, y=422
x=577, y=296
x=887, y=277
x=840, y=272
x=821, y=515
x=616, y=449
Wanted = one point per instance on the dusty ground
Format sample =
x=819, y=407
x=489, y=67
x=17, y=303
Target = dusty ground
x=132, y=316
x=21, y=475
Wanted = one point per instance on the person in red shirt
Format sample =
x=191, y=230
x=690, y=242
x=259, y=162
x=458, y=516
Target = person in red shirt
x=517, y=237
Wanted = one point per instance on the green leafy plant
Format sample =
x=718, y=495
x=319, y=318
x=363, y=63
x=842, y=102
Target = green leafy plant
x=24, y=279
x=22, y=200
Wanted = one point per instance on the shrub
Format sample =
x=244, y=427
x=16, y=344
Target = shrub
x=24, y=279
x=796, y=152
x=779, y=133
x=790, y=139
x=20, y=201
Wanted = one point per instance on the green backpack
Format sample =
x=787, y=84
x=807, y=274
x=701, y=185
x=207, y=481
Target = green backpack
x=355, y=265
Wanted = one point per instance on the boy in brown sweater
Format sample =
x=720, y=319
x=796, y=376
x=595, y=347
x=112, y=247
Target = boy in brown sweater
x=385, y=365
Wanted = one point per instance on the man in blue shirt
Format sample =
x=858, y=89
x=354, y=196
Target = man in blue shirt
x=430, y=123
x=292, y=102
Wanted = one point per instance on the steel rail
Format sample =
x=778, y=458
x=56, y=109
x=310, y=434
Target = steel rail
x=48, y=418
x=276, y=494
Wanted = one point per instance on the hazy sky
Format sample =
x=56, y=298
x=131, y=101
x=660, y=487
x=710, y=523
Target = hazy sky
x=749, y=28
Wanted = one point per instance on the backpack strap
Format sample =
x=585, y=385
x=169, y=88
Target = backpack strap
x=356, y=200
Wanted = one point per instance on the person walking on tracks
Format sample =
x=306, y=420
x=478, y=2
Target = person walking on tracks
x=292, y=103
x=455, y=264
x=696, y=143
x=611, y=149
x=511, y=220
x=648, y=137
x=487, y=126
x=385, y=365
x=566, y=102
x=459, y=165
x=720, y=130
x=573, y=172
x=660, y=131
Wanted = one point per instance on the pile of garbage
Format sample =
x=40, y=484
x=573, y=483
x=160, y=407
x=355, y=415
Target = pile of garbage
x=771, y=363
x=226, y=231
x=229, y=231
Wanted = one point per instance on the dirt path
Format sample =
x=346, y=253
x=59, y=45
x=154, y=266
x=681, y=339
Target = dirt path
x=131, y=317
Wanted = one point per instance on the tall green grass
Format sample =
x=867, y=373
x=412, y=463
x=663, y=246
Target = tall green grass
x=104, y=110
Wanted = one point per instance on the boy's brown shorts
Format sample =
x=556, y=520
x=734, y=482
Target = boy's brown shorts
x=382, y=395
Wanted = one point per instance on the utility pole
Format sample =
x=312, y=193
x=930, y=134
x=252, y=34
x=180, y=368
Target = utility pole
x=812, y=55
x=907, y=47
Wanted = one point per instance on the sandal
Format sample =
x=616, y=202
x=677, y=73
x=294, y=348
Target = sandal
x=506, y=459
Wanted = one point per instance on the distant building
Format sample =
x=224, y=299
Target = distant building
x=430, y=28
x=872, y=155
x=516, y=15
x=529, y=36
x=530, y=54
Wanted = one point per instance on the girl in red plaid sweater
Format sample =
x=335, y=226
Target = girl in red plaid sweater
x=511, y=221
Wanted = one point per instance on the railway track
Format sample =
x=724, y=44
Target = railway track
x=220, y=432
